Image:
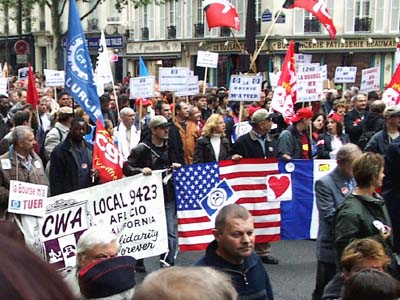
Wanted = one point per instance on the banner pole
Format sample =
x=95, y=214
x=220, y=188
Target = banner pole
x=253, y=59
x=205, y=80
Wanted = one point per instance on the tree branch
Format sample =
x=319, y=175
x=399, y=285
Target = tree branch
x=98, y=2
x=62, y=9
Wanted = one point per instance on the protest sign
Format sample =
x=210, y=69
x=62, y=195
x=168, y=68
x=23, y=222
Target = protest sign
x=54, y=78
x=274, y=78
x=245, y=88
x=27, y=198
x=370, y=80
x=309, y=86
x=345, y=74
x=132, y=207
x=141, y=87
x=173, y=79
x=302, y=58
x=192, y=87
x=207, y=59
x=23, y=73
x=3, y=85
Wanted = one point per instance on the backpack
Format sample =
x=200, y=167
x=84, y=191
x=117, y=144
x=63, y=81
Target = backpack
x=42, y=153
x=364, y=139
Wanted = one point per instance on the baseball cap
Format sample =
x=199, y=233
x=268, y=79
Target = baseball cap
x=392, y=111
x=3, y=95
x=302, y=113
x=158, y=121
x=65, y=110
x=107, y=277
x=259, y=116
x=336, y=117
x=145, y=102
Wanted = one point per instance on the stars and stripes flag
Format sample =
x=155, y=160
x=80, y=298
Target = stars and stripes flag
x=202, y=189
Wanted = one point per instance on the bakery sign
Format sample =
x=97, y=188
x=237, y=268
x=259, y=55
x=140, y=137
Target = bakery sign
x=389, y=44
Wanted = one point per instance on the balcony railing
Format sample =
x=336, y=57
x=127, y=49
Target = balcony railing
x=199, y=30
x=362, y=24
x=145, y=33
x=171, y=30
x=312, y=25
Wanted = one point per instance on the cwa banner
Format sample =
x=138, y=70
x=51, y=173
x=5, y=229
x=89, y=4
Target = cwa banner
x=132, y=207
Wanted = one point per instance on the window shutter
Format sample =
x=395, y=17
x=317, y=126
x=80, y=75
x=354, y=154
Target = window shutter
x=298, y=21
x=137, y=24
x=178, y=20
x=349, y=18
x=394, y=16
x=189, y=20
x=163, y=24
x=150, y=20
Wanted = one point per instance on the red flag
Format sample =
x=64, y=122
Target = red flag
x=391, y=96
x=106, y=157
x=32, y=96
x=285, y=93
x=221, y=13
x=318, y=9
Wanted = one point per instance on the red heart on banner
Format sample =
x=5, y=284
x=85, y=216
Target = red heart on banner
x=279, y=185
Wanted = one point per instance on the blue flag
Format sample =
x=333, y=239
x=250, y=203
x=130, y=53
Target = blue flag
x=142, y=68
x=79, y=77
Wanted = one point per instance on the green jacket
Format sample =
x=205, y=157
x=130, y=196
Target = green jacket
x=354, y=221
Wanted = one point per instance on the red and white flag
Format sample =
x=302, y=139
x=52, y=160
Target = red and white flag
x=32, y=96
x=391, y=96
x=319, y=9
x=221, y=13
x=106, y=157
x=285, y=93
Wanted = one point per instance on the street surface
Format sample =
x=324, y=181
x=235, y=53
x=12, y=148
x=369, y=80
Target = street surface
x=292, y=279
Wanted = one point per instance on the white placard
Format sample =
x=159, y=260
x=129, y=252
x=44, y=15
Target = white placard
x=54, y=78
x=193, y=87
x=141, y=87
x=274, y=78
x=314, y=67
x=27, y=198
x=173, y=79
x=132, y=207
x=309, y=86
x=345, y=74
x=245, y=88
x=207, y=59
x=370, y=80
x=3, y=85
x=301, y=58
x=23, y=73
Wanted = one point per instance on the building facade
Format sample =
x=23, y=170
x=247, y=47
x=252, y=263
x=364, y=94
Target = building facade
x=171, y=34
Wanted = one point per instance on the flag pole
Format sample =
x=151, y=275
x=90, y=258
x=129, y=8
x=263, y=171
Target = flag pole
x=240, y=118
x=115, y=98
x=265, y=39
x=236, y=40
x=173, y=105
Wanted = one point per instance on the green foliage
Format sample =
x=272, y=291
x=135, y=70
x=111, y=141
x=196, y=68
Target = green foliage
x=120, y=4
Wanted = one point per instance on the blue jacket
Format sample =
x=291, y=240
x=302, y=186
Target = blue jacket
x=250, y=279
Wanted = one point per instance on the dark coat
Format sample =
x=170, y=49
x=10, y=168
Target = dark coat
x=204, y=151
x=354, y=220
x=289, y=142
x=324, y=144
x=354, y=129
x=249, y=147
x=391, y=188
x=330, y=192
x=379, y=142
x=65, y=168
x=250, y=279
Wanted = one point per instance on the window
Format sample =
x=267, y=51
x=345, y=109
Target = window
x=145, y=15
x=311, y=23
x=258, y=16
x=199, y=11
x=362, y=21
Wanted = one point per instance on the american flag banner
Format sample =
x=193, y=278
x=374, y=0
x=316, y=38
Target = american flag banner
x=202, y=189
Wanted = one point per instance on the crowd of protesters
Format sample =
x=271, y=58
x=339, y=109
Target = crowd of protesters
x=53, y=145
